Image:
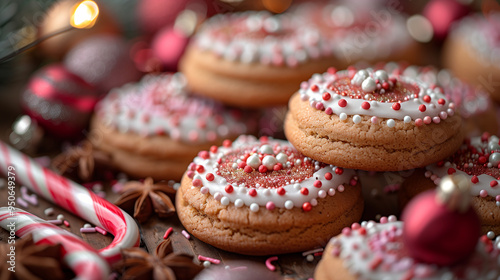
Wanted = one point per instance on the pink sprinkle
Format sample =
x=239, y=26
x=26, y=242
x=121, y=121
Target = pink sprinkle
x=355, y=226
x=443, y=115
x=238, y=268
x=168, y=232
x=320, y=106
x=497, y=198
x=346, y=231
x=33, y=199
x=54, y=222
x=383, y=220
x=87, y=230
x=436, y=119
x=269, y=265
x=22, y=202
x=427, y=120
x=204, y=190
x=483, y=193
x=101, y=230
x=419, y=122
x=203, y=258
x=270, y=205
x=186, y=234
x=66, y=223
x=190, y=174
x=353, y=182
x=340, y=188
x=374, y=120
x=117, y=188
x=452, y=105
x=329, y=111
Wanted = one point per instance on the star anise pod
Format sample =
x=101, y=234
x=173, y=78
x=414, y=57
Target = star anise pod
x=163, y=264
x=142, y=198
x=31, y=261
x=82, y=159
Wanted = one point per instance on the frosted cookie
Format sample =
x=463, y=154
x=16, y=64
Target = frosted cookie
x=372, y=120
x=438, y=239
x=472, y=52
x=261, y=197
x=478, y=159
x=253, y=59
x=155, y=127
x=361, y=31
x=473, y=103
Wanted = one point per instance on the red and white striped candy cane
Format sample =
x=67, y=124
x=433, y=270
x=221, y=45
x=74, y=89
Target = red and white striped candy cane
x=84, y=260
x=74, y=198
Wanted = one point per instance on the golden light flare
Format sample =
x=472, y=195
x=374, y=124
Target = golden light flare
x=84, y=14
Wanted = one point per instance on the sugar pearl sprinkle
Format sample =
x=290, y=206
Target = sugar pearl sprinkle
x=269, y=174
x=376, y=251
x=161, y=105
x=261, y=37
x=366, y=92
x=478, y=158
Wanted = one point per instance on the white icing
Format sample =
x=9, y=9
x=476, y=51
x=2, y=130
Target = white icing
x=484, y=179
x=358, y=254
x=161, y=104
x=283, y=39
x=293, y=196
x=379, y=109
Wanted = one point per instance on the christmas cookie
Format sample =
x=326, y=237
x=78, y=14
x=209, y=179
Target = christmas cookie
x=253, y=59
x=372, y=120
x=361, y=31
x=261, y=197
x=154, y=128
x=438, y=239
x=472, y=52
x=478, y=159
x=472, y=103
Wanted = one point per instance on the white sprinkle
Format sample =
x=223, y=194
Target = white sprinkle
x=235, y=166
x=224, y=201
x=87, y=225
x=282, y=158
x=407, y=119
x=266, y=149
x=298, y=162
x=254, y=161
x=254, y=207
x=369, y=85
x=356, y=119
x=269, y=162
x=381, y=75
x=310, y=258
x=322, y=194
x=314, y=202
x=238, y=203
x=197, y=177
x=49, y=211
x=392, y=218
x=331, y=192
x=391, y=123
x=364, y=223
x=296, y=186
x=288, y=204
x=207, y=264
x=60, y=217
x=343, y=116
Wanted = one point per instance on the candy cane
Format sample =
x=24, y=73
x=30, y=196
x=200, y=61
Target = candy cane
x=74, y=198
x=84, y=260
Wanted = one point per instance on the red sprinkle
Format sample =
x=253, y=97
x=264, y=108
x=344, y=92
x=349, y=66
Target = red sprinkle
x=339, y=171
x=262, y=169
x=227, y=143
x=328, y=176
x=200, y=168
x=493, y=184
x=342, y=103
x=441, y=101
x=362, y=231
x=326, y=96
x=242, y=164
x=422, y=108
x=440, y=163
x=474, y=179
x=451, y=170
x=331, y=70
x=66, y=223
x=314, y=88
x=427, y=99
x=213, y=149
x=252, y=192
x=281, y=191
x=385, y=85
x=278, y=167
x=306, y=206
x=304, y=191
x=396, y=106
x=248, y=169
x=197, y=183
x=229, y=188
x=318, y=183
x=204, y=155
x=210, y=177
x=365, y=105
x=168, y=232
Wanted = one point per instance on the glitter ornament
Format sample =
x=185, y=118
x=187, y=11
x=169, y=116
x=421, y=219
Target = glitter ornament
x=440, y=225
x=59, y=101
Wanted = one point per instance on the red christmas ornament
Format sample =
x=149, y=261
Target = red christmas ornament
x=168, y=46
x=59, y=101
x=442, y=13
x=440, y=227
